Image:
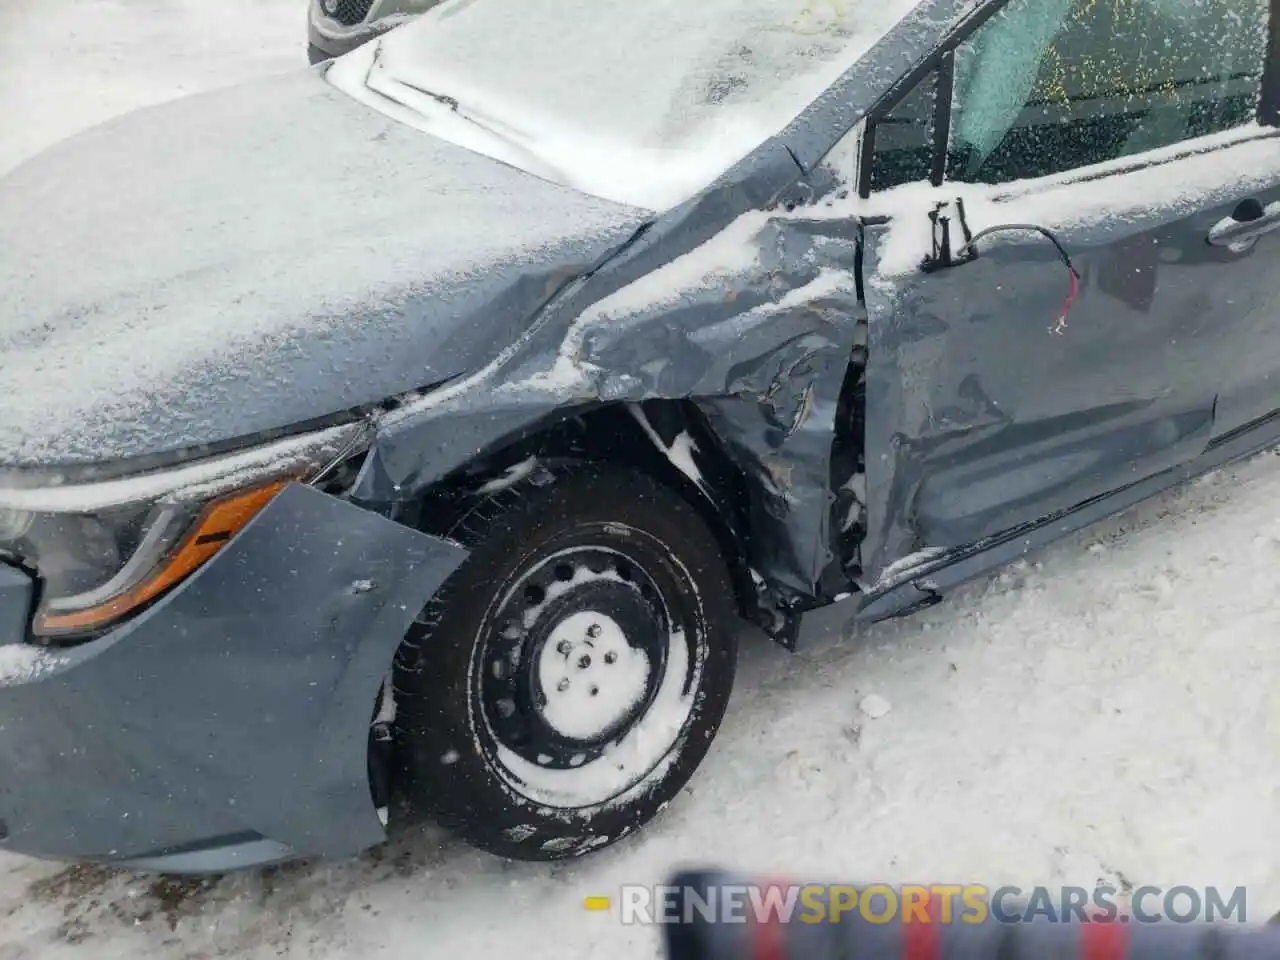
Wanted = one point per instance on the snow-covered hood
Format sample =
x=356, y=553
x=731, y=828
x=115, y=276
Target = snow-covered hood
x=252, y=258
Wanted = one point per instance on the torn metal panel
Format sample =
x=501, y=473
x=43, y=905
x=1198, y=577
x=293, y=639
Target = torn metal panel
x=747, y=307
x=743, y=299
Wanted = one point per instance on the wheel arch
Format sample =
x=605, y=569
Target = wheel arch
x=646, y=436
x=670, y=440
x=449, y=763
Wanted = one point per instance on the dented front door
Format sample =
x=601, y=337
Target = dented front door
x=994, y=402
x=1100, y=336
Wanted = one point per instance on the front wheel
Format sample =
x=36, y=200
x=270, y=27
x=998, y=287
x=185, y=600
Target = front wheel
x=570, y=676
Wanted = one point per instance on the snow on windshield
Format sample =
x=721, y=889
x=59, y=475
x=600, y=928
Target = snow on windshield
x=643, y=102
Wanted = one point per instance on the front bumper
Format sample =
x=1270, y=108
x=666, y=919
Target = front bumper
x=227, y=726
x=332, y=38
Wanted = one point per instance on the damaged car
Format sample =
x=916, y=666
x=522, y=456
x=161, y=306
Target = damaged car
x=423, y=425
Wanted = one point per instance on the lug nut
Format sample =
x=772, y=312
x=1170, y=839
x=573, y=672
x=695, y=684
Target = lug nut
x=565, y=647
x=584, y=661
x=593, y=630
x=563, y=685
x=594, y=691
x=610, y=657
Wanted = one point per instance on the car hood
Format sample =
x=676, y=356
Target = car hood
x=237, y=262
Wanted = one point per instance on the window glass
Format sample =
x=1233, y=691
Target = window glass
x=904, y=138
x=1046, y=86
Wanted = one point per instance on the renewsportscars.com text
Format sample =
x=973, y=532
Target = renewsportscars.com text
x=925, y=903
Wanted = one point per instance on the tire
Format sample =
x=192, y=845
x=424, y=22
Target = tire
x=500, y=734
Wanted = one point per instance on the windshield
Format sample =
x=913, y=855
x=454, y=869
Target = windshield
x=640, y=101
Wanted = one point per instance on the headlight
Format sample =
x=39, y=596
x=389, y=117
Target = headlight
x=105, y=550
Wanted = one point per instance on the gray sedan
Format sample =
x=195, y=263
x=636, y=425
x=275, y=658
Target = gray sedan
x=422, y=426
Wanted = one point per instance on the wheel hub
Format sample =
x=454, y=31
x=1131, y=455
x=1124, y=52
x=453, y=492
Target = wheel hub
x=583, y=675
x=561, y=678
x=589, y=677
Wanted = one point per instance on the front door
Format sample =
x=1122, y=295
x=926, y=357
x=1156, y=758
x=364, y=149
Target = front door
x=1099, y=336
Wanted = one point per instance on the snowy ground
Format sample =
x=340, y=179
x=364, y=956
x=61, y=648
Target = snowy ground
x=1103, y=710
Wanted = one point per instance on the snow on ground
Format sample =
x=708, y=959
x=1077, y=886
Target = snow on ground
x=1103, y=710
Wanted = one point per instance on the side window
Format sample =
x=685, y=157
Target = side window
x=1046, y=86
x=904, y=140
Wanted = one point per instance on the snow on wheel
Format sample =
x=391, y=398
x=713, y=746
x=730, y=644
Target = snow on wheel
x=569, y=678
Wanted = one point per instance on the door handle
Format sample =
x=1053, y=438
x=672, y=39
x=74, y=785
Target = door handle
x=1249, y=221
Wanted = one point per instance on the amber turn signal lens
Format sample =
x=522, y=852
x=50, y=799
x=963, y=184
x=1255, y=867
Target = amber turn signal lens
x=213, y=528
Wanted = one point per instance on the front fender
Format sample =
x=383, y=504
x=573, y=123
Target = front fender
x=236, y=709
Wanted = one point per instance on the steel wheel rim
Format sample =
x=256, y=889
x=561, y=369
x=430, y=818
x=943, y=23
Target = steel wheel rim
x=538, y=751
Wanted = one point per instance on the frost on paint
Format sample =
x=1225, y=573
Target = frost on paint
x=263, y=252
x=1195, y=174
x=905, y=568
x=703, y=83
x=485, y=298
x=196, y=481
x=23, y=663
x=944, y=405
x=755, y=323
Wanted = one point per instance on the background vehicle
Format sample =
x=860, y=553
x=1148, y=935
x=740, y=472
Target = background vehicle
x=335, y=27
x=837, y=413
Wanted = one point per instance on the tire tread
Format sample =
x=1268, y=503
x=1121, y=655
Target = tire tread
x=424, y=662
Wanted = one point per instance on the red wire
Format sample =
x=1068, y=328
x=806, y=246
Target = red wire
x=1073, y=290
